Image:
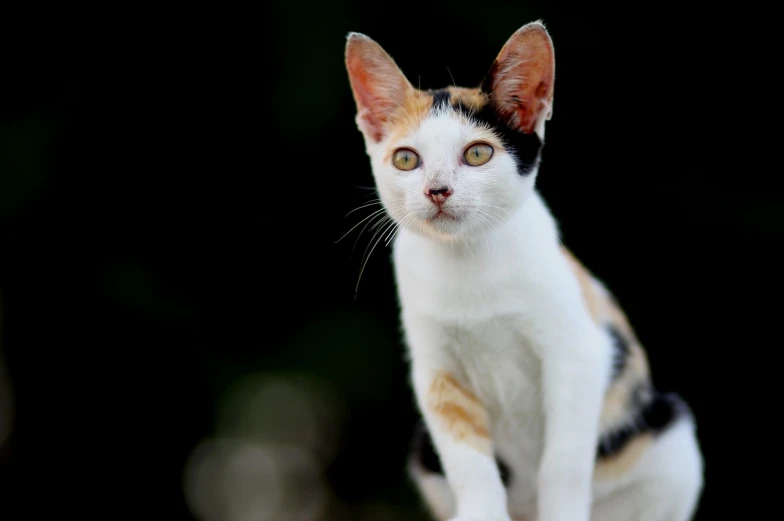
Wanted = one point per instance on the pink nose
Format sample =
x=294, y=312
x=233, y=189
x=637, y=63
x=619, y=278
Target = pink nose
x=438, y=195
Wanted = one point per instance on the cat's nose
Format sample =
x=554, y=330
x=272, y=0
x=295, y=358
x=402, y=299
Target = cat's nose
x=438, y=195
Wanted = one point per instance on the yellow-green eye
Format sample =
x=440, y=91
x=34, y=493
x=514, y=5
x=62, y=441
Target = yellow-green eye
x=478, y=154
x=405, y=159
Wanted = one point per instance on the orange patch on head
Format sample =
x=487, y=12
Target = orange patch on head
x=417, y=106
x=469, y=98
x=460, y=412
x=408, y=116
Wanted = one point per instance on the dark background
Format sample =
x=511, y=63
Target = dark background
x=180, y=332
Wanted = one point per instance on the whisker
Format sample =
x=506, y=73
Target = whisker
x=469, y=249
x=491, y=224
x=406, y=221
x=379, y=225
x=353, y=248
x=394, y=228
x=453, y=78
x=378, y=218
x=480, y=221
x=377, y=201
x=499, y=221
x=356, y=289
x=382, y=220
x=498, y=207
x=360, y=222
x=400, y=225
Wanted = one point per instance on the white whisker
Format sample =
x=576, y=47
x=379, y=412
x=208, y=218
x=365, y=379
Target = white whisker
x=361, y=271
x=377, y=219
x=377, y=201
x=360, y=222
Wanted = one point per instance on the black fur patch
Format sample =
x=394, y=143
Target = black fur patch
x=655, y=415
x=424, y=452
x=504, y=471
x=620, y=350
x=526, y=148
x=440, y=98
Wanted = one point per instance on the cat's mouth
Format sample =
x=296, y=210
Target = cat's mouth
x=442, y=215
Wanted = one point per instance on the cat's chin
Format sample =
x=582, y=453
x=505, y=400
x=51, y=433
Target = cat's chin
x=445, y=225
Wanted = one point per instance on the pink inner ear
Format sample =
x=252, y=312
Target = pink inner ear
x=522, y=78
x=378, y=85
x=371, y=106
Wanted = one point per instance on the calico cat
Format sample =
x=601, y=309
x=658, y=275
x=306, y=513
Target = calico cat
x=535, y=393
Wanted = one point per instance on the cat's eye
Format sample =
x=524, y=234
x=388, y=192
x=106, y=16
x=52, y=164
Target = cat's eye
x=405, y=159
x=478, y=154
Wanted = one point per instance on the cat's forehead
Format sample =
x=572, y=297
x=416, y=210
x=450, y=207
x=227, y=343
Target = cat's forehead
x=420, y=106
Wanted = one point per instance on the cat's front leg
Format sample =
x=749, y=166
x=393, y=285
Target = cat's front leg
x=460, y=428
x=575, y=366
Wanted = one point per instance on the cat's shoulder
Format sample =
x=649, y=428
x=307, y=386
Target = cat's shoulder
x=599, y=300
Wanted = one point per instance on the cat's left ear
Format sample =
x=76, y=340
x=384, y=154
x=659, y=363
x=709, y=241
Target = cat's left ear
x=520, y=82
x=378, y=85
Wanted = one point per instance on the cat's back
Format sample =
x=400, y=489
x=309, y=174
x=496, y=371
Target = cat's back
x=630, y=370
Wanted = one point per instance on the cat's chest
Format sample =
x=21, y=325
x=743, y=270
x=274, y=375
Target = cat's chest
x=461, y=291
x=501, y=367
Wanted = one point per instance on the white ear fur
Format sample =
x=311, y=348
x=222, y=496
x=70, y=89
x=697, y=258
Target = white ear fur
x=520, y=82
x=378, y=85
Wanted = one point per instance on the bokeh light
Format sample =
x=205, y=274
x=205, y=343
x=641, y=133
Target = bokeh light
x=275, y=437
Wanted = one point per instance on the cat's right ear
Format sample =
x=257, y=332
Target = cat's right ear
x=378, y=85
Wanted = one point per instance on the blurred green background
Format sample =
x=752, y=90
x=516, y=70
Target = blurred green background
x=180, y=333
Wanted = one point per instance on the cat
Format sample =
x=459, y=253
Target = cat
x=536, y=398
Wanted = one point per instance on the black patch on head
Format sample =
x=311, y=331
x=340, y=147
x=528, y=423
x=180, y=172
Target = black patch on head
x=655, y=413
x=620, y=350
x=440, y=98
x=425, y=454
x=526, y=148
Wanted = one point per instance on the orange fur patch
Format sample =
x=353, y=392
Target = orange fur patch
x=416, y=107
x=407, y=117
x=594, y=301
x=604, y=310
x=470, y=98
x=460, y=412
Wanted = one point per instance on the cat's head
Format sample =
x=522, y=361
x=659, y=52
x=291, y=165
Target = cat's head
x=454, y=161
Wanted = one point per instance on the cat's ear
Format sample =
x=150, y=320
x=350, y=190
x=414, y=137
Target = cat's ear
x=378, y=85
x=520, y=81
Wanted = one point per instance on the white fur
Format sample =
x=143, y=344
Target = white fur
x=491, y=298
